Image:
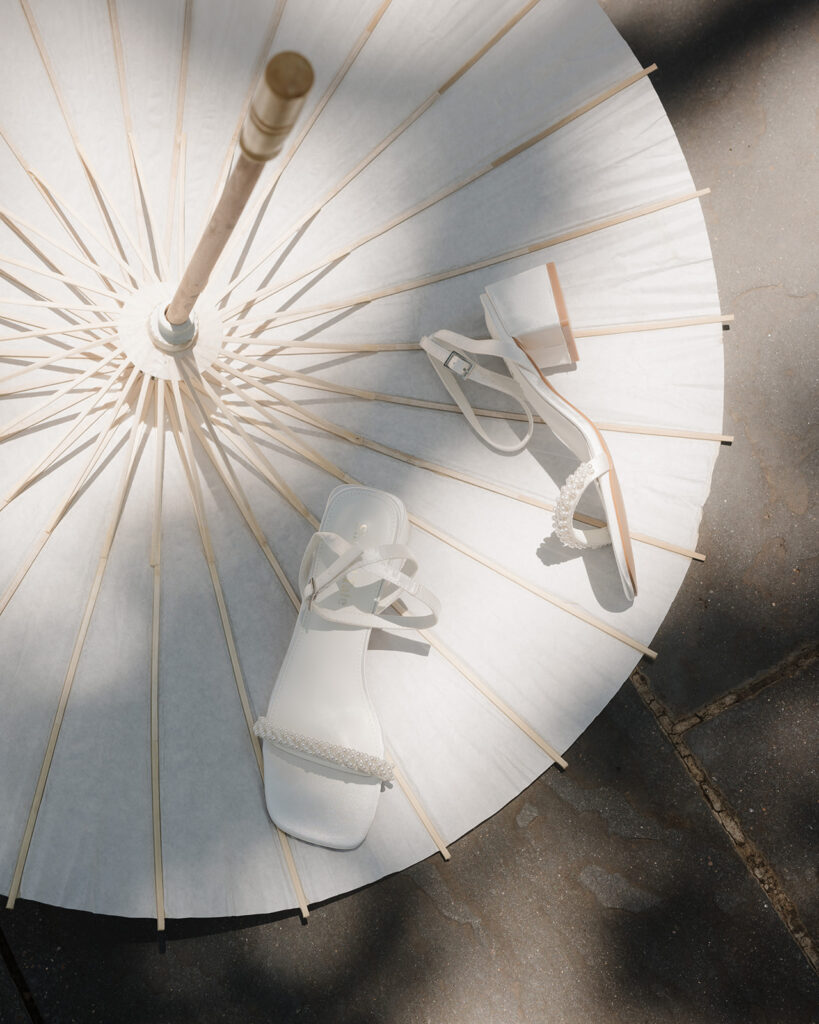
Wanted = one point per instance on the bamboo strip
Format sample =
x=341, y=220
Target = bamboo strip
x=87, y=419
x=79, y=643
x=468, y=673
x=70, y=353
x=566, y=606
x=109, y=214
x=103, y=201
x=388, y=140
x=62, y=209
x=43, y=414
x=128, y=123
x=159, y=477
x=246, y=510
x=17, y=322
x=254, y=454
x=651, y=325
x=309, y=381
x=46, y=332
x=31, y=418
x=183, y=441
x=55, y=276
x=23, y=230
x=291, y=348
x=281, y=319
x=56, y=205
x=12, y=300
x=655, y=431
x=58, y=208
x=231, y=481
x=156, y=555
x=416, y=805
x=40, y=386
x=301, y=895
x=27, y=241
x=105, y=436
x=119, y=59
x=160, y=266
x=179, y=424
x=186, y=365
x=180, y=116
x=4, y=354
x=461, y=183
x=260, y=206
x=280, y=430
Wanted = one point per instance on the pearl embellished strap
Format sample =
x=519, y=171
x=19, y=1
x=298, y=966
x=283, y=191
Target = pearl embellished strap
x=567, y=504
x=323, y=752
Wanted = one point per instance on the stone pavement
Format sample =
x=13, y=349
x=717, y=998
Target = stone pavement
x=671, y=873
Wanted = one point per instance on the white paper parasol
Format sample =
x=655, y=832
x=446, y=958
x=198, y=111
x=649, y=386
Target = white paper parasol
x=153, y=528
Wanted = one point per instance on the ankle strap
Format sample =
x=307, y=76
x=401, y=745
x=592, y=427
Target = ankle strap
x=393, y=564
x=449, y=354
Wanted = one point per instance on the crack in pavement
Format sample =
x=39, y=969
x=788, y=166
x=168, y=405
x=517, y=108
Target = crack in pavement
x=755, y=861
x=789, y=667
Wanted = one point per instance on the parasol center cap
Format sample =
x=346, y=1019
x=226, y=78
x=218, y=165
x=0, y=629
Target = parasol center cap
x=170, y=337
x=143, y=336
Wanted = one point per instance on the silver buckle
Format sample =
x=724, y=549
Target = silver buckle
x=458, y=365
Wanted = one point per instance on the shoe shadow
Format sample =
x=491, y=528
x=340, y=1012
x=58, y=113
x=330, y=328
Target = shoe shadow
x=381, y=640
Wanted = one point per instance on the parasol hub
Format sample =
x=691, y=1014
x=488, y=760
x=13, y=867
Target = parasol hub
x=156, y=347
x=170, y=337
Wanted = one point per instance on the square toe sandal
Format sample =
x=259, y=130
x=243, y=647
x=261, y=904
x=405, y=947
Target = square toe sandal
x=323, y=751
x=453, y=356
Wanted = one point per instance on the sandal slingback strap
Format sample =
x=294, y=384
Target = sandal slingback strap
x=323, y=752
x=567, y=502
x=449, y=354
x=356, y=566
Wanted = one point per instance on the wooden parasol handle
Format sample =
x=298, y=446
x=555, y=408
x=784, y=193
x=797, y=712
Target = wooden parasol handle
x=275, y=106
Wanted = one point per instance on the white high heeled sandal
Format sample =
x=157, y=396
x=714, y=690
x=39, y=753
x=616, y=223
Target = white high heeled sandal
x=323, y=752
x=526, y=354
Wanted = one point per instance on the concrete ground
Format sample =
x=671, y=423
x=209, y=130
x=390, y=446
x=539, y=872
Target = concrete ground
x=671, y=874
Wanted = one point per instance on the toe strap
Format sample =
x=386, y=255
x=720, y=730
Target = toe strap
x=567, y=502
x=323, y=752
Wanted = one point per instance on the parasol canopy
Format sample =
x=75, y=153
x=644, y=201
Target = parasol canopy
x=155, y=508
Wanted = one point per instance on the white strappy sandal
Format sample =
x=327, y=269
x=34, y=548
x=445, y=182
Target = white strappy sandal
x=323, y=751
x=530, y=332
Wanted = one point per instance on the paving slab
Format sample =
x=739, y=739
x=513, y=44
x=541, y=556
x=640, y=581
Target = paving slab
x=12, y=1008
x=762, y=756
x=605, y=893
x=739, y=80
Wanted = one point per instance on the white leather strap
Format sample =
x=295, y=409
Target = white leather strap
x=360, y=567
x=567, y=502
x=449, y=354
x=323, y=752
